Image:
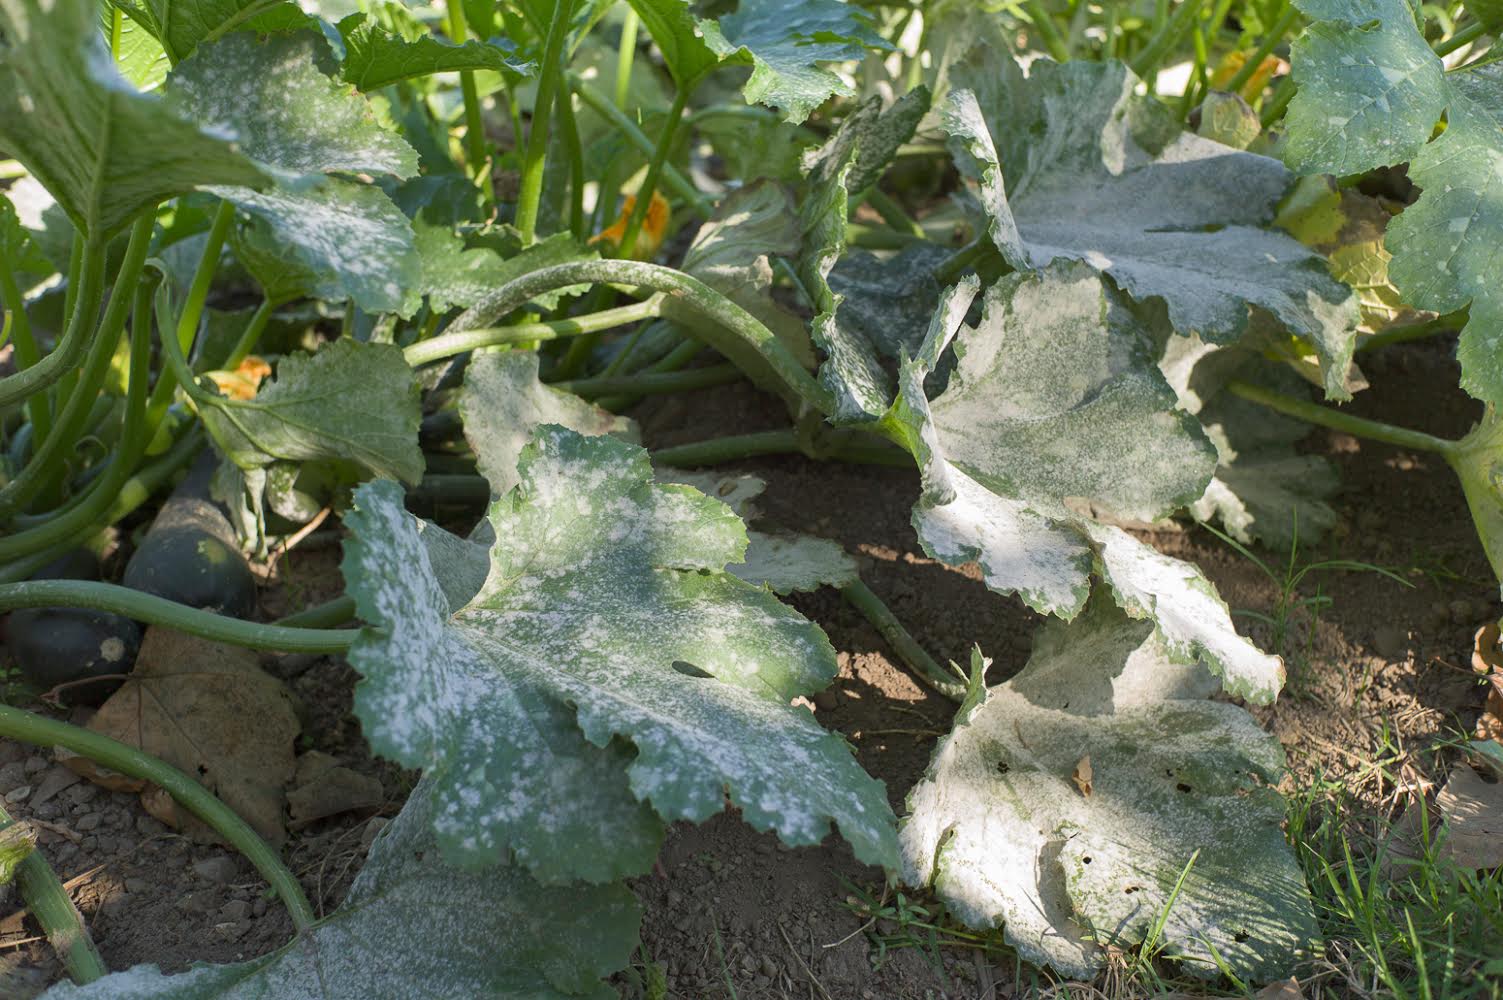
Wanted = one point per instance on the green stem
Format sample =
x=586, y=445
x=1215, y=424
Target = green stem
x=859, y=234
x=893, y=213
x=654, y=171
x=1166, y=38
x=861, y=597
x=60, y=920
x=326, y=615
x=1048, y=31
x=1275, y=35
x=570, y=124
x=34, y=729
x=47, y=463
x=841, y=447
x=1282, y=95
x=475, y=146
x=685, y=352
x=1464, y=36
x=734, y=332
x=963, y=260
x=1449, y=323
x=254, y=327
x=653, y=382
x=533, y=160
x=626, y=54
x=458, y=342
x=75, y=340
x=193, y=309
x=601, y=104
x=1325, y=416
x=451, y=489
x=154, y=610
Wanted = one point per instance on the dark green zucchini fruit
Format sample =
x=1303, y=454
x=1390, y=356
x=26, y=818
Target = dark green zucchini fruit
x=73, y=646
x=191, y=556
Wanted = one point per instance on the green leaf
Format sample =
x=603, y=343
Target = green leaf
x=180, y=25
x=1180, y=822
x=608, y=594
x=1445, y=245
x=784, y=41
x=454, y=276
x=503, y=404
x=19, y=250
x=1370, y=88
x=139, y=57
x=732, y=254
x=376, y=58
x=414, y=926
x=351, y=401
x=1071, y=162
x=105, y=152
x=858, y=152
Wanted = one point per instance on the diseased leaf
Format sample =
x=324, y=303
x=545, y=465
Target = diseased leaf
x=1370, y=88
x=504, y=404
x=732, y=250
x=376, y=57
x=1445, y=245
x=890, y=299
x=1070, y=162
x=414, y=926
x=453, y=276
x=600, y=584
x=349, y=239
x=790, y=564
x=1180, y=788
x=310, y=412
x=104, y=151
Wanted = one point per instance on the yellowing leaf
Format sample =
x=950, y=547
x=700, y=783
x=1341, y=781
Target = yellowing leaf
x=654, y=227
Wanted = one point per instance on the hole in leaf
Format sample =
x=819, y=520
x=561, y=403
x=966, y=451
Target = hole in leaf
x=689, y=669
x=1184, y=788
x=1085, y=860
x=1132, y=889
x=1003, y=767
x=1240, y=937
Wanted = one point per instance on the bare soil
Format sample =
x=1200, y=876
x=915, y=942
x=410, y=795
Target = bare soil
x=729, y=909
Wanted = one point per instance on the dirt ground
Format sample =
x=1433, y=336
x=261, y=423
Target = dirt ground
x=730, y=909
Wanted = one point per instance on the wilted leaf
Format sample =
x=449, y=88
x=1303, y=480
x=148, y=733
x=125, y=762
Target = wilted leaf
x=600, y=583
x=1180, y=788
x=212, y=712
x=118, y=152
x=322, y=787
x=414, y=926
x=503, y=405
x=1370, y=88
x=310, y=412
x=1070, y=162
x=1473, y=810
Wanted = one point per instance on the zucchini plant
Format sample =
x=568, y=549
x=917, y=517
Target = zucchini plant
x=452, y=229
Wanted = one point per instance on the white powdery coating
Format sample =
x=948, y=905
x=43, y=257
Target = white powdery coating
x=269, y=96
x=1005, y=835
x=1193, y=620
x=794, y=563
x=1020, y=551
x=503, y=403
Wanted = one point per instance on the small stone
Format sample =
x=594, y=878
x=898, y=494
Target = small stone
x=35, y=764
x=47, y=810
x=18, y=794
x=12, y=775
x=235, y=911
x=232, y=930
x=136, y=885
x=81, y=793
x=769, y=968
x=196, y=902
x=259, y=907
x=149, y=826
x=221, y=869
x=675, y=899
x=87, y=822
x=109, y=845
x=55, y=781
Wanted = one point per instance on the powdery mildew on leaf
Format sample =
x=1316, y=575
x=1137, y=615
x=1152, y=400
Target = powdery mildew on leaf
x=104, y=151
x=1006, y=836
x=1192, y=618
x=452, y=275
x=1370, y=88
x=789, y=563
x=1445, y=246
x=1086, y=169
x=890, y=299
x=784, y=41
x=310, y=412
x=504, y=403
x=412, y=926
x=271, y=99
x=600, y=584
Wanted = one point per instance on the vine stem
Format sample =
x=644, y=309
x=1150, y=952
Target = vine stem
x=861, y=597
x=193, y=309
x=449, y=344
x=49, y=902
x=38, y=407
x=65, y=356
x=474, y=123
x=653, y=382
x=736, y=447
x=254, y=327
x=531, y=194
x=27, y=727
x=733, y=331
x=153, y=610
x=1325, y=416
x=626, y=54
x=654, y=171
x=1273, y=38
x=1470, y=33
x=603, y=106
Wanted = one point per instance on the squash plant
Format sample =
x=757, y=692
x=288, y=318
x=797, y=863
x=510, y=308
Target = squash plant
x=471, y=205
